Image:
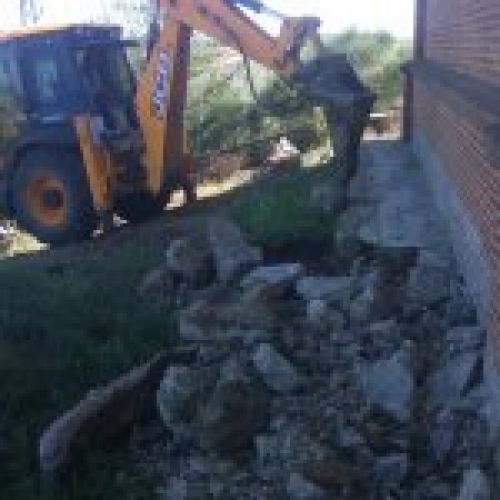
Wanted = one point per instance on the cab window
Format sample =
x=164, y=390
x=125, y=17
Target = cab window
x=10, y=82
x=47, y=80
x=106, y=70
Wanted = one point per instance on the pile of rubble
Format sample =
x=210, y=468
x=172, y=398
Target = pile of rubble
x=307, y=387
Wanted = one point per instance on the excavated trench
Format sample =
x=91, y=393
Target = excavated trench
x=357, y=379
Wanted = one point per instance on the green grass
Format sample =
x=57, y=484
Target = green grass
x=65, y=328
x=283, y=213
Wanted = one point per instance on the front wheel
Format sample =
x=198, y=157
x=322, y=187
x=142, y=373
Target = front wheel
x=51, y=197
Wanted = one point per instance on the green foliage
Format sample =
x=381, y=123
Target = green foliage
x=218, y=100
x=293, y=114
x=223, y=114
x=378, y=58
x=64, y=329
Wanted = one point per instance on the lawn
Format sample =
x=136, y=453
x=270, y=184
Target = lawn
x=66, y=327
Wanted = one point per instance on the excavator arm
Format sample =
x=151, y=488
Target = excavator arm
x=224, y=21
x=162, y=89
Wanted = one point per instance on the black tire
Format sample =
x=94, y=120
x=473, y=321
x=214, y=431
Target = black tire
x=51, y=198
x=140, y=206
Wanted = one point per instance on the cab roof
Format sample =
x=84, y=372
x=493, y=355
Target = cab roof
x=76, y=30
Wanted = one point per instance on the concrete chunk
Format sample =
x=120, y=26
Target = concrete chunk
x=272, y=281
x=276, y=371
x=389, y=385
x=232, y=254
x=475, y=486
x=330, y=289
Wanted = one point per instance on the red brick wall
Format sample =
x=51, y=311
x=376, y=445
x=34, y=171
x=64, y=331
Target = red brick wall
x=464, y=36
x=465, y=157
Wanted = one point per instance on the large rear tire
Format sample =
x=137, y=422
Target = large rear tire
x=51, y=197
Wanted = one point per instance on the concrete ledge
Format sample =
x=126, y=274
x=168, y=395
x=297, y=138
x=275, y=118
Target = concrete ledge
x=472, y=262
x=492, y=379
x=402, y=211
x=466, y=240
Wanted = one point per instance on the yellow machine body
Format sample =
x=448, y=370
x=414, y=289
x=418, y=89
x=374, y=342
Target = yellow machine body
x=162, y=88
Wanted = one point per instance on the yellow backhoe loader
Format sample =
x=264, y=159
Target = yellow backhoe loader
x=81, y=139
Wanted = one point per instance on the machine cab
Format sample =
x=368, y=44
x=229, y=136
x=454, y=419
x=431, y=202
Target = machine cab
x=51, y=75
x=49, y=79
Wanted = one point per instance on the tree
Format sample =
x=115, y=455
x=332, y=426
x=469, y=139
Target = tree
x=133, y=15
x=378, y=58
x=30, y=11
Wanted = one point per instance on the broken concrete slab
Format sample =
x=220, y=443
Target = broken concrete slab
x=401, y=210
x=392, y=469
x=475, y=486
x=442, y=435
x=317, y=313
x=178, y=397
x=362, y=307
x=390, y=385
x=463, y=339
x=361, y=417
x=395, y=223
x=233, y=415
x=370, y=303
x=276, y=371
x=222, y=314
x=429, y=281
x=271, y=282
x=333, y=290
x=449, y=384
x=299, y=488
x=233, y=255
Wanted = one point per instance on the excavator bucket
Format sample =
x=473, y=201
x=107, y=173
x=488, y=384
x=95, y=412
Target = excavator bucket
x=331, y=82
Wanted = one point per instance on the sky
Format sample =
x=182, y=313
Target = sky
x=395, y=16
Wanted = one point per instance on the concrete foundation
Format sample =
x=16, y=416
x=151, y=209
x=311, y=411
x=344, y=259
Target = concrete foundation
x=464, y=236
x=472, y=261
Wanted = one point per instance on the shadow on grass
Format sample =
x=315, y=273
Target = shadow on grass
x=65, y=328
